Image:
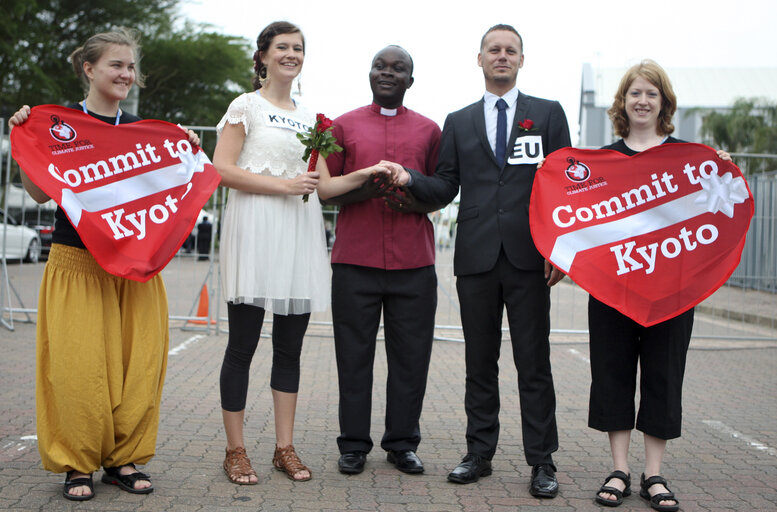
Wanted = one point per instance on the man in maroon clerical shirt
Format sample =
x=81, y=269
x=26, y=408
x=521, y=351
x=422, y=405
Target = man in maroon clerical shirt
x=383, y=260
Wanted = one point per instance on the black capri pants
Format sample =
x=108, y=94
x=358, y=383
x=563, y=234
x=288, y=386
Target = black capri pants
x=617, y=345
x=245, y=328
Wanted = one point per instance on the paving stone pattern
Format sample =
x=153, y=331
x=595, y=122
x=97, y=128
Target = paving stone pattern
x=726, y=459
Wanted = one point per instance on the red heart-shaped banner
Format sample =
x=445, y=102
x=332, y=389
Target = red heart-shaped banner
x=132, y=191
x=651, y=235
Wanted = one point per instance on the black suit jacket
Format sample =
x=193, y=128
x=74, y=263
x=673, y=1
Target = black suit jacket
x=494, y=202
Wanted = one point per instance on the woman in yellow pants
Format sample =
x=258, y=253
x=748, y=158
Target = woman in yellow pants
x=102, y=340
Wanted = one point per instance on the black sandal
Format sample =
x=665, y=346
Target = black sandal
x=656, y=499
x=78, y=482
x=619, y=495
x=113, y=476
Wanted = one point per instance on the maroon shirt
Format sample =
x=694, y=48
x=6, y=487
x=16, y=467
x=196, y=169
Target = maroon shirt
x=369, y=233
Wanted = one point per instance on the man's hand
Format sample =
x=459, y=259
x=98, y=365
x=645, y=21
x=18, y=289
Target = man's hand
x=375, y=186
x=399, y=175
x=552, y=274
x=400, y=199
x=378, y=184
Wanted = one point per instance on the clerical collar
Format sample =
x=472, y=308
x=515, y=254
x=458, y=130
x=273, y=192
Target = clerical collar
x=390, y=112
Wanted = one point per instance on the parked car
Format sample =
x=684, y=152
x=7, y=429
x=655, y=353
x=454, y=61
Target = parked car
x=20, y=242
x=45, y=232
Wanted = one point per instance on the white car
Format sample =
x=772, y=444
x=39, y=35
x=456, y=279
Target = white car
x=18, y=242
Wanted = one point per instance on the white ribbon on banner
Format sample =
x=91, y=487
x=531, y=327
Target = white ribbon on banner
x=717, y=195
x=133, y=188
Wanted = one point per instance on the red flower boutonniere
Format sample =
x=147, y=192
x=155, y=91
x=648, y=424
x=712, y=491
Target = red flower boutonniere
x=526, y=125
x=318, y=140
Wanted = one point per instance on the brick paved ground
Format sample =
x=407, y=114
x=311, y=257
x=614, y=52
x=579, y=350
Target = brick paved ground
x=726, y=459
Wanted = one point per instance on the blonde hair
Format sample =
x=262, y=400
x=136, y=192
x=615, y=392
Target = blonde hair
x=95, y=46
x=655, y=74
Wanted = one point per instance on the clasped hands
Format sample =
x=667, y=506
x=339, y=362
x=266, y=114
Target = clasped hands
x=388, y=180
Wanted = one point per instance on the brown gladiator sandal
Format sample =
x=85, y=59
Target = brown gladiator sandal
x=236, y=465
x=286, y=460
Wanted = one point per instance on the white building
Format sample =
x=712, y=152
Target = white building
x=696, y=88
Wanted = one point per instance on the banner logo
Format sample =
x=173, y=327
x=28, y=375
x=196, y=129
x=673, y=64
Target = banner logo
x=577, y=171
x=60, y=130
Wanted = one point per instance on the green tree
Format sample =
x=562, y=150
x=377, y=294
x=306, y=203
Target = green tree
x=750, y=126
x=36, y=37
x=192, y=75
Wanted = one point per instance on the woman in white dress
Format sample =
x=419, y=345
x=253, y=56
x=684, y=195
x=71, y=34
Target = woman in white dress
x=273, y=249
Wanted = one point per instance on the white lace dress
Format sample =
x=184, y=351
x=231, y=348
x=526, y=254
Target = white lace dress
x=273, y=249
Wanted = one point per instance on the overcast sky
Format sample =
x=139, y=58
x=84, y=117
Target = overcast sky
x=443, y=39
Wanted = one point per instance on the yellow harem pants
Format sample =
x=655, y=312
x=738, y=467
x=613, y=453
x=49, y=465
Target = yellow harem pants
x=101, y=358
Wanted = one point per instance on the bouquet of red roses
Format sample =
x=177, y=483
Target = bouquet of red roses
x=318, y=140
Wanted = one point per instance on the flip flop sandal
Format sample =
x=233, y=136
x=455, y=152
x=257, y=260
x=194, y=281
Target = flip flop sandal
x=78, y=482
x=656, y=499
x=619, y=495
x=113, y=476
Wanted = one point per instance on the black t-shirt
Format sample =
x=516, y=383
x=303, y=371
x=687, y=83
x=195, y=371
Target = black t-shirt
x=621, y=146
x=64, y=232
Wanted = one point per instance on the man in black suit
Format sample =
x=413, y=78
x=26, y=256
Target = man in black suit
x=490, y=150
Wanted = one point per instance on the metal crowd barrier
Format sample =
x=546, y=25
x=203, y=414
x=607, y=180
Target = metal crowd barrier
x=744, y=308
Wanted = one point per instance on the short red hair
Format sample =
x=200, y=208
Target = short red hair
x=655, y=74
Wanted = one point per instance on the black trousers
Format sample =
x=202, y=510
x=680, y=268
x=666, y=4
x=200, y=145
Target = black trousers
x=526, y=297
x=618, y=345
x=408, y=299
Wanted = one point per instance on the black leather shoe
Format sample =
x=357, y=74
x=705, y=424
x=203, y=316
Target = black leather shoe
x=470, y=469
x=352, y=463
x=406, y=461
x=543, y=481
